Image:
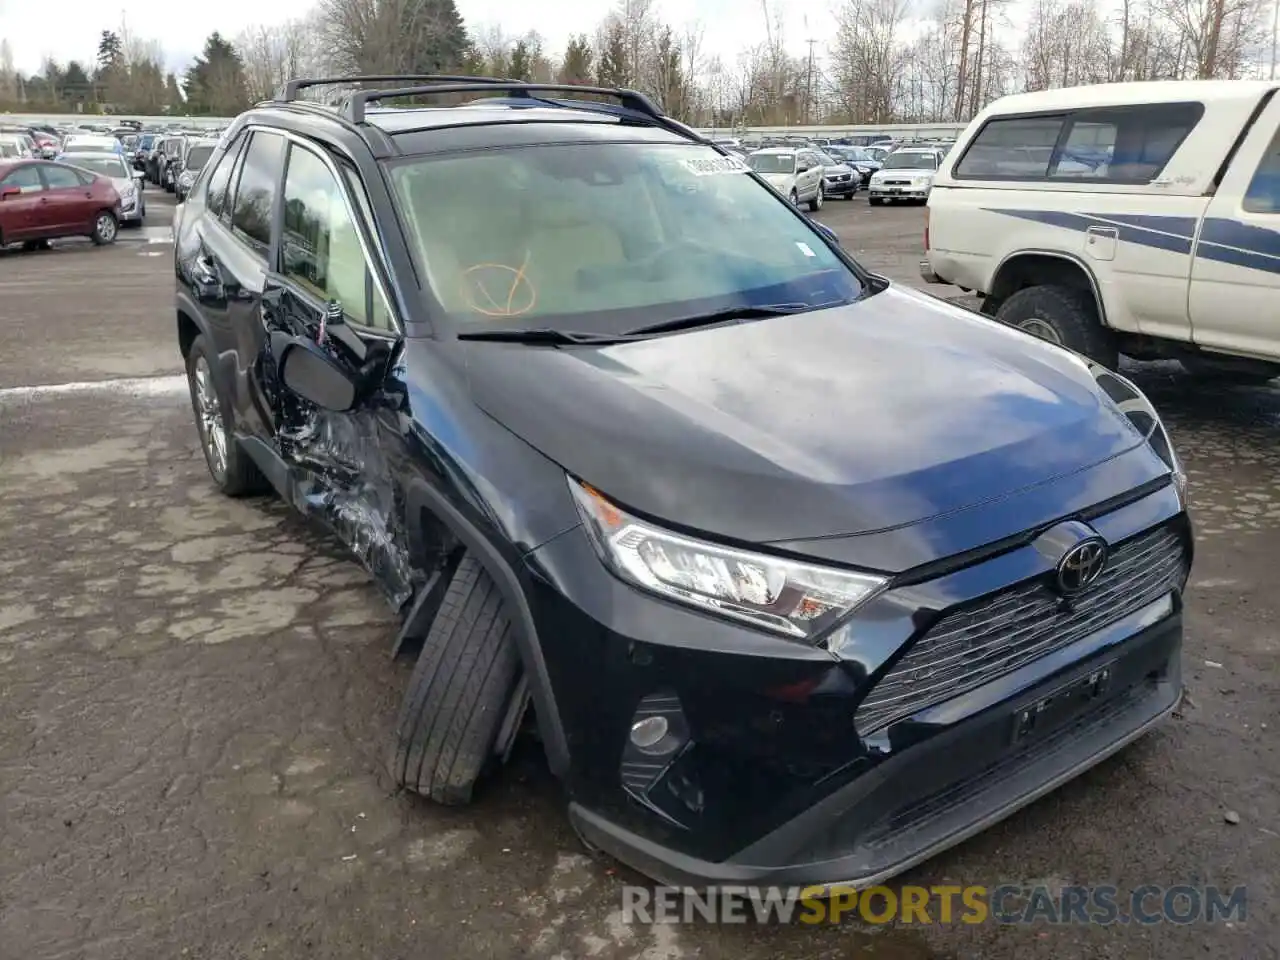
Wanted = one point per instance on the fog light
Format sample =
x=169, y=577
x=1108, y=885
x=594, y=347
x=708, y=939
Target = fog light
x=649, y=732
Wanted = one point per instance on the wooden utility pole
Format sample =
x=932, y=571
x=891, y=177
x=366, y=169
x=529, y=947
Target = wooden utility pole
x=808, y=92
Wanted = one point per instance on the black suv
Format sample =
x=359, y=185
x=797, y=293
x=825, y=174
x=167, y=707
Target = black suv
x=798, y=575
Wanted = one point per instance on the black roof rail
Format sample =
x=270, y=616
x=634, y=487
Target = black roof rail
x=356, y=104
x=289, y=92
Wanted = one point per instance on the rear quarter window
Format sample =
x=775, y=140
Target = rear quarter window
x=1128, y=144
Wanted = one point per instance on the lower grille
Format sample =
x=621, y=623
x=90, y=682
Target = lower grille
x=1011, y=628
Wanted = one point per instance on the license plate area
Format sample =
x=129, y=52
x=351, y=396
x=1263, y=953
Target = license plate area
x=1064, y=703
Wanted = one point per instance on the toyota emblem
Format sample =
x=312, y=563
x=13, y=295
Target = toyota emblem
x=1081, y=566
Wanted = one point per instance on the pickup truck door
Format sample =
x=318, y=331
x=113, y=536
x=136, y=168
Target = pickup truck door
x=1235, y=270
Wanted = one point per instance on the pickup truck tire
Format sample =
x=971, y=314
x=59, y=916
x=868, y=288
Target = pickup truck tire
x=1061, y=315
x=460, y=691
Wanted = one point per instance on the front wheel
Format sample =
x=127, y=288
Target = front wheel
x=816, y=203
x=105, y=228
x=461, y=691
x=1062, y=315
x=794, y=198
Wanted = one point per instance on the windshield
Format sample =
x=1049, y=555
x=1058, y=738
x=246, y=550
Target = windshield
x=772, y=162
x=107, y=166
x=197, y=157
x=145, y=141
x=910, y=161
x=608, y=236
x=858, y=154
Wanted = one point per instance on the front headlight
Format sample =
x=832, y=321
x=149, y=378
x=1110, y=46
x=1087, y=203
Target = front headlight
x=1142, y=415
x=796, y=599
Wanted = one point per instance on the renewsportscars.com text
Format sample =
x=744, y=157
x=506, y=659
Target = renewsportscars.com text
x=1004, y=904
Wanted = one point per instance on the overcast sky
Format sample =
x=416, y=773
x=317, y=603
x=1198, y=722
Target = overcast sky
x=70, y=29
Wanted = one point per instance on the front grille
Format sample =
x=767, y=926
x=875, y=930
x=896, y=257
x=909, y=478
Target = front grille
x=897, y=183
x=1011, y=628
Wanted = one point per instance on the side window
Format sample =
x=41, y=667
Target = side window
x=1116, y=145
x=320, y=245
x=220, y=179
x=1263, y=195
x=256, y=191
x=1018, y=147
x=59, y=178
x=26, y=179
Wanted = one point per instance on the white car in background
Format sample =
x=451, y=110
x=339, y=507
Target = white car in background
x=91, y=143
x=796, y=174
x=906, y=174
x=126, y=180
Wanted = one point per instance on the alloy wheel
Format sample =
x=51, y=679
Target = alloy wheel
x=213, y=434
x=105, y=228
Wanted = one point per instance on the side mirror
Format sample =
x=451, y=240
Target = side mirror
x=7, y=192
x=312, y=374
x=803, y=167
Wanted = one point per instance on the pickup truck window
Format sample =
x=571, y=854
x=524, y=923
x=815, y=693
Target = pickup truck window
x=1263, y=195
x=1129, y=144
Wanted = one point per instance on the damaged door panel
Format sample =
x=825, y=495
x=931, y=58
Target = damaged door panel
x=339, y=472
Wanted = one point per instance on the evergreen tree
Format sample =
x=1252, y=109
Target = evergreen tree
x=215, y=82
x=578, y=62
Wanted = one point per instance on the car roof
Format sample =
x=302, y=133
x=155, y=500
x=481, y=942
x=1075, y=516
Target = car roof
x=1136, y=92
x=92, y=155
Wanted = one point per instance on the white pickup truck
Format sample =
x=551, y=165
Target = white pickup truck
x=1134, y=218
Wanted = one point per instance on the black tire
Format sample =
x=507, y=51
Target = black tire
x=816, y=203
x=1071, y=316
x=33, y=245
x=105, y=228
x=875, y=201
x=794, y=198
x=460, y=691
x=239, y=476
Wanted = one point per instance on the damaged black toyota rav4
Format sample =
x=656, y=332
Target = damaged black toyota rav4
x=799, y=576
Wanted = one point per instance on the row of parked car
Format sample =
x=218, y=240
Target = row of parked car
x=88, y=184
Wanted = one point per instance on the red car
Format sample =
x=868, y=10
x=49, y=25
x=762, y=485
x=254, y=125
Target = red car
x=40, y=201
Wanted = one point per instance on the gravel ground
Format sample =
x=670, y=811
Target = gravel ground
x=196, y=697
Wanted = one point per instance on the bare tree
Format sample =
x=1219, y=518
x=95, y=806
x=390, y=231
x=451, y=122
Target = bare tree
x=868, y=59
x=1217, y=34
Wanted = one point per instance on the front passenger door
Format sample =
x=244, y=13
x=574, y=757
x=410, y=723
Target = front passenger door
x=326, y=291
x=20, y=212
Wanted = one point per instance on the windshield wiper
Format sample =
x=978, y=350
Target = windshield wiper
x=729, y=313
x=544, y=336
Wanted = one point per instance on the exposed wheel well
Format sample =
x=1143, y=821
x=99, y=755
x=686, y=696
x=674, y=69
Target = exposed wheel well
x=1037, y=269
x=187, y=333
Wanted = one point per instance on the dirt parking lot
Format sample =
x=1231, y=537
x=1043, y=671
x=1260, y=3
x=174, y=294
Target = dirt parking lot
x=197, y=694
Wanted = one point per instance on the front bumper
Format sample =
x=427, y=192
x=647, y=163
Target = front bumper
x=130, y=212
x=938, y=793
x=773, y=782
x=898, y=193
x=840, y=188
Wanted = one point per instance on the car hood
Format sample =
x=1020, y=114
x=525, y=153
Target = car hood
x=836, y=168
x=779, y=181
x=907, y=172
x=855, y=419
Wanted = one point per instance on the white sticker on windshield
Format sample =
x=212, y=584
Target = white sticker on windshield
x=805, y=249
x=711, y=166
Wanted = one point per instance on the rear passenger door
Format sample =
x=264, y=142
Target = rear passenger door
x=1235, y=272
x=71, y=203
